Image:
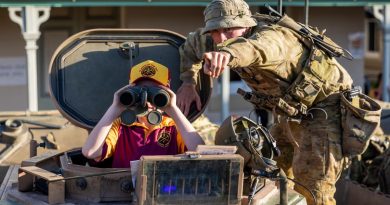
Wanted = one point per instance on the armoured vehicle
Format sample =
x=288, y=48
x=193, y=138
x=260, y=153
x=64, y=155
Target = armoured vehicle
x=42, y=149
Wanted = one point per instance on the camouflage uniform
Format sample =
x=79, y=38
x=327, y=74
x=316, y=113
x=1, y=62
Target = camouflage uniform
x=206, y=129
x=365, y=167
x=269, y=60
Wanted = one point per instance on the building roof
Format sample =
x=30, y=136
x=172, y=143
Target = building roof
x=79, y=3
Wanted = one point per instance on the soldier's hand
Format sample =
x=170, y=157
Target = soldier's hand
x=187, y=94
x=215, y=63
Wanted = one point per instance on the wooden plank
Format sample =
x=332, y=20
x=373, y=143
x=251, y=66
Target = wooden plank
x=25, y=181
x=35, y=160
x=55, y=182
x=56, y=192
x=37, y=171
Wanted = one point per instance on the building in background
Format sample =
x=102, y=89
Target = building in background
x=354, y=25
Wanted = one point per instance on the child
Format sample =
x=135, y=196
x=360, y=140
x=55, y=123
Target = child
x=125, y=143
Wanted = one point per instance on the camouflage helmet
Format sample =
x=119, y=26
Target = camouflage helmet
x=253, y=141
x=227, y=14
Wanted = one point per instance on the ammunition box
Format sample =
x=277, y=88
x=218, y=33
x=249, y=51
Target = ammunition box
x=180, y=179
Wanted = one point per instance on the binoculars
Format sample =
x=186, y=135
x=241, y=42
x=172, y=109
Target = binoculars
x=135, y=98
x=140, y=95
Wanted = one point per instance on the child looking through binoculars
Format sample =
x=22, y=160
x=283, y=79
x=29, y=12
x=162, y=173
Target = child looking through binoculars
x=133, y=126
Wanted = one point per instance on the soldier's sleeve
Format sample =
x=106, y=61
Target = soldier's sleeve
x=191, y=53
x=267, y=47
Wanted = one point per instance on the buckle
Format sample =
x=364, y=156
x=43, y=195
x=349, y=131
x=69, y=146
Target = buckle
x=355, y=91
x=302, y=108
x=248, y=96
x=244, y=94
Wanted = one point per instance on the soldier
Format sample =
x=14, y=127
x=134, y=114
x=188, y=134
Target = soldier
x=271, y=59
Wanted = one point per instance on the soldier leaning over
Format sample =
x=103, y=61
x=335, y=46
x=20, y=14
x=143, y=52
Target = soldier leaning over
x=274, y=60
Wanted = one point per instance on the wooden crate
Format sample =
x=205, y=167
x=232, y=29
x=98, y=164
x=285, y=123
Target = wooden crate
x=206, y=179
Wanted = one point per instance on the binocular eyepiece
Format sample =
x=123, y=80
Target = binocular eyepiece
x=138, y=96
x=135, y=99
x=130, y=97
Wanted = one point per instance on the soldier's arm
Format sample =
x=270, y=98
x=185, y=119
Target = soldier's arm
x=191, y=57
x=264, y=50
x=267, y=47
x=190, y=63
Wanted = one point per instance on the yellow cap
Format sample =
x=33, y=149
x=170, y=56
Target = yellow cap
x=150, y=70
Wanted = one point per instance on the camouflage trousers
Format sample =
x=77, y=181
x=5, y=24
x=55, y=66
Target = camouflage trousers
x=312, y=155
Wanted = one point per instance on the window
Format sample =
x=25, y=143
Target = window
x=373, y=33
x=373, y=36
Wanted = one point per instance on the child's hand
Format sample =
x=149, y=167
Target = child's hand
x=172, y=101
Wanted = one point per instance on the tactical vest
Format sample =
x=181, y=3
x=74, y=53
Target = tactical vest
x=311, y=85
x=360, y=115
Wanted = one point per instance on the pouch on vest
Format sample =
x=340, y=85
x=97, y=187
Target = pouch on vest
x=360, y=116
x=308, y=88
x=311, y=85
